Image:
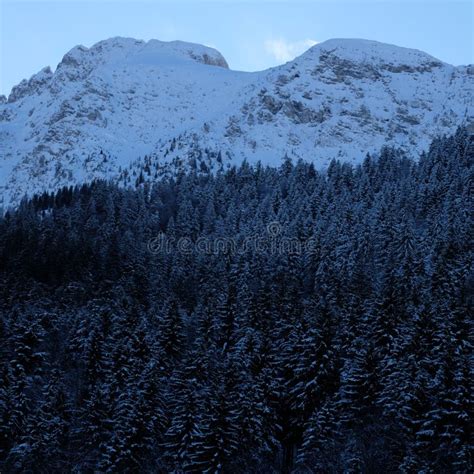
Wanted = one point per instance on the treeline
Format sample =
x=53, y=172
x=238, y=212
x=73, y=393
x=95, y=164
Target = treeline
x=118, y=356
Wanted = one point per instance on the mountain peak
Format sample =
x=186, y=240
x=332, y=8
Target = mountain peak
x=136, y=51
x=168, y=102
x=80, y=61
x=373, y=52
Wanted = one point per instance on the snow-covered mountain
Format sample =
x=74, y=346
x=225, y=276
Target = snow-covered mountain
x=123, y=104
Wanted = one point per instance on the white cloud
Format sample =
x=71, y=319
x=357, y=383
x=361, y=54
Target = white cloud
x=283, y=50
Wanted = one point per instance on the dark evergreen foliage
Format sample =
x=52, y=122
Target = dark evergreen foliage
x=353, y=355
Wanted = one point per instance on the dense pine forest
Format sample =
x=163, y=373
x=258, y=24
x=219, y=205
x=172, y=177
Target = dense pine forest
x=141, y=330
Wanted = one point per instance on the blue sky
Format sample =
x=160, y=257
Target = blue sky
x=252, y=35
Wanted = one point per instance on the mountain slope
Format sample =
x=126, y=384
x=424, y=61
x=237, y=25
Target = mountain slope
x=106, y=107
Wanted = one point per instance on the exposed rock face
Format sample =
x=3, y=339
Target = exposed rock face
x=210, y=60
x=106, y=106
x=35, y=85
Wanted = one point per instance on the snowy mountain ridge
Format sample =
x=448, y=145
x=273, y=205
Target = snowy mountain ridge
x=175, y=103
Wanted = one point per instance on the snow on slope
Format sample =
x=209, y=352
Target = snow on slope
x=106, y=107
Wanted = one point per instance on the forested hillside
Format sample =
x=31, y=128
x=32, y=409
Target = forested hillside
x=257, y=320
